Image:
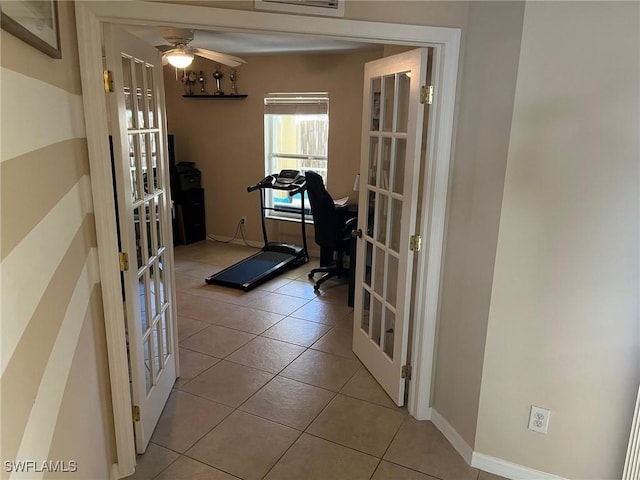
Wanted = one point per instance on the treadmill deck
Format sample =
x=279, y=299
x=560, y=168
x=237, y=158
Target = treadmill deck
x=255, y=270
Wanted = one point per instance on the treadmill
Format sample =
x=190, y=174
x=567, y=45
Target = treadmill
x=274, y=258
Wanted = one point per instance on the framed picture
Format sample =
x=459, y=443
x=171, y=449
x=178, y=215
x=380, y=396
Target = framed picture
x=34, y=22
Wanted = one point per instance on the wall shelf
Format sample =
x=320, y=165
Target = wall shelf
x=220, y=97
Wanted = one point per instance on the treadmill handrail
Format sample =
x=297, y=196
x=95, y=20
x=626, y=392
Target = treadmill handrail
x=271, y=181
x=266, y=182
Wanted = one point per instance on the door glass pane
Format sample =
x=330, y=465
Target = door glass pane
x=159, y=220
x=144, y=311
x=392, y=280
x=147, y=147
x=160, y=351
x=154, y=161
x=378, y=265
x=157, y=353
x=376, y=320
x=150, y=97
x=383, y=202
x=373, y=160
x=133, y=169
x=128, y=101
x=153, y=298
x=396, y=221
x=143, y=163
x=386, y=164
x=375, y=103
x=162, y=295
x=399, y=159
x=140, y=102
x=138, y=234
x=403, y=102
x=147, y=365
x=151, y=251
x=368, y=263
x=389, y=98
x=165, y=338
x=153, y=226
x=366, y=306
x=389, y=331
x=371, y=213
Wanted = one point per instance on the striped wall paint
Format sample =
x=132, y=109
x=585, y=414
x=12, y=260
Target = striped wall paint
x=56, y=117
x=49, y=283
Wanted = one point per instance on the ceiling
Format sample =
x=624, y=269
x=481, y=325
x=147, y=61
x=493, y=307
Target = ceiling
x=239, y=43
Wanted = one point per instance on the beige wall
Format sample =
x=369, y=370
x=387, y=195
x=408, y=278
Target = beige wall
x=433, y=13
x=485, y=105
x=54, y=367
x=564, y=321
x=225, y=137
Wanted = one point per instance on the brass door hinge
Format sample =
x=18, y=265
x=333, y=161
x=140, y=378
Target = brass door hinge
x=406, y=372
x=415, y=243
x=135, y=412
x=107, y=76
x=426, y=94
x=124, y=261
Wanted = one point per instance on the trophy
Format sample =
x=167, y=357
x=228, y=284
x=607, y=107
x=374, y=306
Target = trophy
x=202, y=79
x=218, y=76
x=189, y=79
x=233, y=76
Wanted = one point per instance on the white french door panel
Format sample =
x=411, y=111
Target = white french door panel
x=138, y=126
x=392, y=124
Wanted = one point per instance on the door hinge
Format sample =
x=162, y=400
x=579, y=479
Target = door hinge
x=415, y=243
x=135, y=412
x=406, y=372
x=426, y=94
x=124, y=261
x=107, y=76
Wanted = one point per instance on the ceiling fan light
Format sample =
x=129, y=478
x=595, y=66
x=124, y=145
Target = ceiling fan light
x=180, y=59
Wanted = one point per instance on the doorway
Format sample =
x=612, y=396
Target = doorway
x=445, y=42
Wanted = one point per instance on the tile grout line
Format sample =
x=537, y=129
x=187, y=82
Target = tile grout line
x=332, y=327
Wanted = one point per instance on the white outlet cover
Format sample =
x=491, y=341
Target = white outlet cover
x=539, y=419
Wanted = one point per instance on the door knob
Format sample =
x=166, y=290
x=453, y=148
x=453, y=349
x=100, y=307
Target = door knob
x=356, y=233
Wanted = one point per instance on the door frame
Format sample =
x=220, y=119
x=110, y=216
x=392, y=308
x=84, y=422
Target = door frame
x=446, y=43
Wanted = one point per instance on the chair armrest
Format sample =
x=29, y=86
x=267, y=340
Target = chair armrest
x=350, y=224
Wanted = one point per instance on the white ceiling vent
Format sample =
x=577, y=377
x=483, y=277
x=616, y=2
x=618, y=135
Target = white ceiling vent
x=333, y=8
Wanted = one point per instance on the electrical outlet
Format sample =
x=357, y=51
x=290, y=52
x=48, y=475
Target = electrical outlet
x=243, y=220
x=539, y=419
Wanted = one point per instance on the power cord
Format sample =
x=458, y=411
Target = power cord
x=239, y=229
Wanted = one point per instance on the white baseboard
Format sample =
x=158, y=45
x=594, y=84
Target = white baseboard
x=115, y=473
x=454, y=437
x=506, y=469
x=494, y=465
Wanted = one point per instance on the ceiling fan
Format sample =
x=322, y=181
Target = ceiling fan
x=180, y=54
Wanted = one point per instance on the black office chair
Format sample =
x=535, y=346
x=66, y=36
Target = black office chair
x=332, y=229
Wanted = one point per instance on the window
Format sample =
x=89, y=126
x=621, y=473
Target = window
x=296, y=137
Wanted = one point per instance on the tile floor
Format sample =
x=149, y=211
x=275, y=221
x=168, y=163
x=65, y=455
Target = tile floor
x=270, y=389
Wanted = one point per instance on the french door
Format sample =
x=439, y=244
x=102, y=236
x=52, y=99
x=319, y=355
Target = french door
x=138, y=126
x=393, y=116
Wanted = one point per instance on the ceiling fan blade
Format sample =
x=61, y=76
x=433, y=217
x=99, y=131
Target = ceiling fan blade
x=165, y=48
x=228, y=60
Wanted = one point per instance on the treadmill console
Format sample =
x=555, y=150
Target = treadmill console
x=287, y=177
